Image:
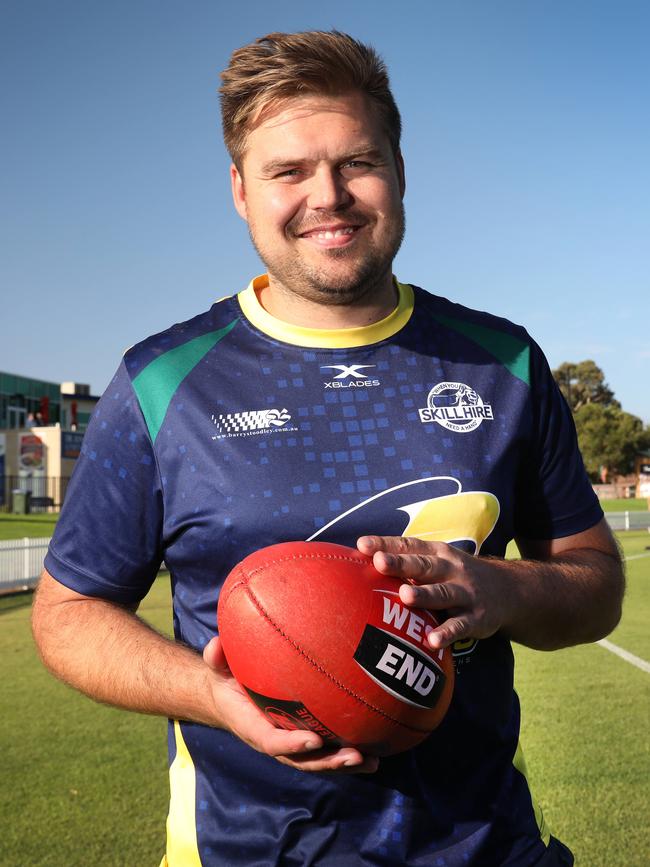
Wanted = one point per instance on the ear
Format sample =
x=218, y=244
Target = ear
x=238, y=192
x=401, y=172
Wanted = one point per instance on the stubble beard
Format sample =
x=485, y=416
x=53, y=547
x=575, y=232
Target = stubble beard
x=296, y=276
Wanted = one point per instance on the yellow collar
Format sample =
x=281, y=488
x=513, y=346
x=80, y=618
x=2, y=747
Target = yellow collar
x=340, y=338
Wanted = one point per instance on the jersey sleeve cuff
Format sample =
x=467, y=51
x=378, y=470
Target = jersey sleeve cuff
x=562, y=527
x=89, y=585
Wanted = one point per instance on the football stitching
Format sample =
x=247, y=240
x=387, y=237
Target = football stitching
x=313, y=662
x=354, y=560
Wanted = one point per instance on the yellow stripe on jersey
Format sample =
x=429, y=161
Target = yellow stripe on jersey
x=324, y=338
x=182, y=845
x=520, y=764
x=470, y=515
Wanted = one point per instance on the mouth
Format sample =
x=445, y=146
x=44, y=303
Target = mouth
x=330, y=235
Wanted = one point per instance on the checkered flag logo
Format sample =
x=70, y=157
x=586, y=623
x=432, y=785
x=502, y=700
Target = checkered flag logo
x=257, y=419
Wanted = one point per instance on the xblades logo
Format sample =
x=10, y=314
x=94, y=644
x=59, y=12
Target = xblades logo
x=347, y=370
x=351, y=372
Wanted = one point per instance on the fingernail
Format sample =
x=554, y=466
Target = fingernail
x=311, y=745
x=350, y=763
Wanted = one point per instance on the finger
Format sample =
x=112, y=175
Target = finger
x=259, y=732
x=398, y=545
x=442, y=594
x=451, y=630
x=344, y=761
x=419, y=568
x=280, y=742
x=252, y=726
x=214, y=656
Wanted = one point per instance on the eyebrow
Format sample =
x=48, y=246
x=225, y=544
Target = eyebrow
x=278, y=165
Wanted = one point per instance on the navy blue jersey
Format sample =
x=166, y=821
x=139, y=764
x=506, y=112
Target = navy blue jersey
x=234, y=431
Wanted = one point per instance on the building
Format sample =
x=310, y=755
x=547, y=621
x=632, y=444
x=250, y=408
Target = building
x=26, y=403
x=41, y=429
x=21, y=397
x=635, y=484
x=642, y=470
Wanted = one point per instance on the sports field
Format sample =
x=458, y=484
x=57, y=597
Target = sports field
x=27, y=526
x=85, y=785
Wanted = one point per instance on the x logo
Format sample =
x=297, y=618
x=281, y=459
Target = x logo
x=346, y=371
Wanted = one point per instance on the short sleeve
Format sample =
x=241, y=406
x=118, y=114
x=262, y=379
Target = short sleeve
x=555, y=497
x=107, y=542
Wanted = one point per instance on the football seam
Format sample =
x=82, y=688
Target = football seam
x=316, y=665
x=347, y=559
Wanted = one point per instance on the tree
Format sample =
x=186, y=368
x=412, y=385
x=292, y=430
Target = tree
x=609, y=438
x=584, y=383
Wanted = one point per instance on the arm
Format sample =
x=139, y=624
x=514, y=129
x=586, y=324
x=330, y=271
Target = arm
x=567, y=591
x=106, y=651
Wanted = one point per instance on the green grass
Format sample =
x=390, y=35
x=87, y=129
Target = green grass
x=82, y=784
x=624, y=505
x=585, y=723
x=633, y=633
x=27, y=526
x=86, y=784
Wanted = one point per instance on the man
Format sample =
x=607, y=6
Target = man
x=329, y=401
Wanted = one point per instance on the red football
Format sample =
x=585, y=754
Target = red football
x=321, y=641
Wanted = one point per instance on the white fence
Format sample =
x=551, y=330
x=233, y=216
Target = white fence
x=21, y=562
x=628, y=520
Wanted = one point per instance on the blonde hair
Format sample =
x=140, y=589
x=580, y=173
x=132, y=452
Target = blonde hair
x=280, y=66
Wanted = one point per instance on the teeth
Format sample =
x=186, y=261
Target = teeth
x=337, y=234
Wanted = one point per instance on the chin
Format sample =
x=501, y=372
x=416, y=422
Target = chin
x=345, y=289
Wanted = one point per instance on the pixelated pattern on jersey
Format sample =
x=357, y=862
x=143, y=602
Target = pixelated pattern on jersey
x=249, y=441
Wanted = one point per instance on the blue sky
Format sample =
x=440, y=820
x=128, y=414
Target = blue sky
x=526, y=140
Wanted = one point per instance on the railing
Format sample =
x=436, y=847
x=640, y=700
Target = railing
x=21, y=562
x=628, y=520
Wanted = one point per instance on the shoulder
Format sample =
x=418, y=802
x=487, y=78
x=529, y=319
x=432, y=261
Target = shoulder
x=509, y=343
x=184, y=340
x=459, y=317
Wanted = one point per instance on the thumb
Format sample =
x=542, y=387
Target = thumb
x=214, y=656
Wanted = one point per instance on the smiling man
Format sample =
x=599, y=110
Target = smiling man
x=321, y=189
x=329, y=401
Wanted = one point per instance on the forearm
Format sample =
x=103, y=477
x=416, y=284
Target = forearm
x=565, y=591
x=570, y=599
x=110, y=654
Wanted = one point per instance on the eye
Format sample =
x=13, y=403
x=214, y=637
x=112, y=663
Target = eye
x=356, y=168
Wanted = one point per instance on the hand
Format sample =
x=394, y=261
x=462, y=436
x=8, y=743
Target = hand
x=471, y=591
x=299, y=749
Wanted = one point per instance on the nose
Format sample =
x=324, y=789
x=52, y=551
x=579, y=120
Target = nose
x=328, y=190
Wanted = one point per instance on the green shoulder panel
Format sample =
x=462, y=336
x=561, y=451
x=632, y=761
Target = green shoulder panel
x=157, y=383
x=511, y=351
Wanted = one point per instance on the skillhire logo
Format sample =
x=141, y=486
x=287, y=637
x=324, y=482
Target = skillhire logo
x=350, y=376
x=455, y=406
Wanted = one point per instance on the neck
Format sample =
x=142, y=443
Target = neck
x=288, y=306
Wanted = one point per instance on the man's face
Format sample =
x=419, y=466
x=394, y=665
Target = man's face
x=321, y=190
